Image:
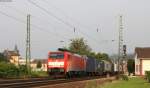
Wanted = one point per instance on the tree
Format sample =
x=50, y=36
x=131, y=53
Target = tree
x=131, y=66
x=147, y=75
x=79, y=46
x=8, y=70
x=2, y=57
x=92, y=54
x=102, y=56
x=23, y=70
x=98, y=56
x=39, y=64
x=105, y=56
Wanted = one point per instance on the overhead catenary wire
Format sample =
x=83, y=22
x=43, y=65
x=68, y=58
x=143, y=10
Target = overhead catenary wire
x=53, y=28
x=42, y=29
x=75, y=21
x=24, y=22
x=14, y=18
x=67, y=16
x=33, y=25
x=45, y=30
x=48, y=12
x=61, y=20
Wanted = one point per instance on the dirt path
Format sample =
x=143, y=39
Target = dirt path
x=80, y=84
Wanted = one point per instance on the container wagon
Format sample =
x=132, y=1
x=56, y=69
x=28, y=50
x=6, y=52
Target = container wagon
x=93, y=67
x=106, y=67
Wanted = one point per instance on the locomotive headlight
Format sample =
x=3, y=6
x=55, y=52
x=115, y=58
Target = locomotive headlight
x=56, y=63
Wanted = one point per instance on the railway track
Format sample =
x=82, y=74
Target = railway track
x=38, y=82
x=28, y=83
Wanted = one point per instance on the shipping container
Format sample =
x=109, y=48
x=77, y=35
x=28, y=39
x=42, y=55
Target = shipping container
x=93, y=66
x=107, y=66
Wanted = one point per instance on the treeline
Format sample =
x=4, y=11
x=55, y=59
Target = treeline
x=80, y=46
x=9, y=70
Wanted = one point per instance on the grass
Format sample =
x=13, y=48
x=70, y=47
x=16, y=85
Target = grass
x=132, y=83
x=91, y=84
x=135, y=82
x=39, y=74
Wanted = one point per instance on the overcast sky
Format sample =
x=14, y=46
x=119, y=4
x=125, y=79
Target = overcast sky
x=57, y=24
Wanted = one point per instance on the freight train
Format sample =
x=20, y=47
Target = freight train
x=67, y=64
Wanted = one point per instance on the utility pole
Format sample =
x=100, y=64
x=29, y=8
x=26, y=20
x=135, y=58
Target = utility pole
x=74, y=29
x=28, y=52
x=120, y=45
x=124, y=59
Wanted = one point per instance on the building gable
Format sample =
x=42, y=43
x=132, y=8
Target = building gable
x=142, y=52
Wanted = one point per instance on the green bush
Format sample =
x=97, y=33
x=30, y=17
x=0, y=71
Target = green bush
x=23, y=71
x=8, y=70
x=122, y=77
x=39, y=74
x=147, y=75
x=3, y=58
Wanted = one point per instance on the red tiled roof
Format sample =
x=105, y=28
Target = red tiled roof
x=142, y=52
x=11, y=53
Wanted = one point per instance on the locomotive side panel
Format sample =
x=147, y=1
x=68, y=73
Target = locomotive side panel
x=75, y=63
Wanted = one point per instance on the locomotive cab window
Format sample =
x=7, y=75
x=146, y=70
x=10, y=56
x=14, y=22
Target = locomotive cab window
x=56, y=56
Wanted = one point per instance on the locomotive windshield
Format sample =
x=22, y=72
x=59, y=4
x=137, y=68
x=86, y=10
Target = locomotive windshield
x=56, y=56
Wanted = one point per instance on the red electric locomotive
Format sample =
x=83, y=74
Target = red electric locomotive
x=66, y=64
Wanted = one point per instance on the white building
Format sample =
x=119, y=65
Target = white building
x=34, y=62
x=12, y=56
x=142, y=60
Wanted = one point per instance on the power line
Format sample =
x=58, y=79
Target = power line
x=33, y=25
x=59, y=19
x=48, y=12
x=63, y=36
x=12, y=17
x=72, y=20
x=52, y=28
x=22, y=13
x=60, y=10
